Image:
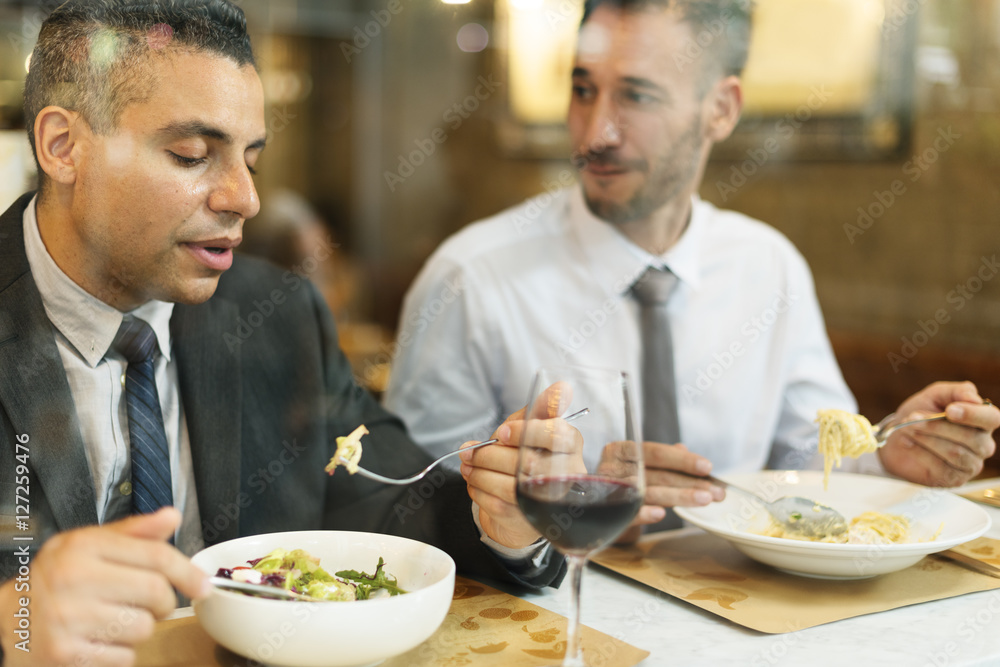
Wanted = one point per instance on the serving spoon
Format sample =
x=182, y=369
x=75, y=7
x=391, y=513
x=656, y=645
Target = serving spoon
x=420, y=475
x=795, y=514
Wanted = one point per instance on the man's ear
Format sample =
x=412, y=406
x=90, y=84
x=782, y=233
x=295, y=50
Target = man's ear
x=57, y=135
x=724, y=104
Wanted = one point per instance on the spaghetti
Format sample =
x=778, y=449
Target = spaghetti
x=866, y=528
x=841, y=434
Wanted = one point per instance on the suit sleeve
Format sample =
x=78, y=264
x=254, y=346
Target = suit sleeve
x=437, y=510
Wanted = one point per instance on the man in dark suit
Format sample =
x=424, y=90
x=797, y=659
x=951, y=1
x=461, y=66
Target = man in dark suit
x=146, y=125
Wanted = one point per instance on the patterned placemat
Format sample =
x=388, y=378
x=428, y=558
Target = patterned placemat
x=710, y=573
x=484, y=626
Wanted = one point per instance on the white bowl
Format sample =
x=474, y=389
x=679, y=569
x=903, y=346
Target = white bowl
x=330, y=634
x=738, y=518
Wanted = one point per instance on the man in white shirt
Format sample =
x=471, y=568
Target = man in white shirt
x=549, y=282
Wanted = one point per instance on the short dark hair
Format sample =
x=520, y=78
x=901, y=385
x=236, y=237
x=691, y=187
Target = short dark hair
x=92, y=56
x=728, y=22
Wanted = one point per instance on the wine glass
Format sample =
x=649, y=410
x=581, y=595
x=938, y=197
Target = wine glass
x=579, y=484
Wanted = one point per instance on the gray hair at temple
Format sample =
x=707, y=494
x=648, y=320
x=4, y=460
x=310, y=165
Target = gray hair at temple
x=728, y=22
x=93, y=56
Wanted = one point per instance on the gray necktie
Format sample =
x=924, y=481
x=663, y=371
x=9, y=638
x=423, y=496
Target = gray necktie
x=659, y=388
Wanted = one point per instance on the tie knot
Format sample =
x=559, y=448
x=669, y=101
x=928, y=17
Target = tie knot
x=135, y=340
x=654, y=286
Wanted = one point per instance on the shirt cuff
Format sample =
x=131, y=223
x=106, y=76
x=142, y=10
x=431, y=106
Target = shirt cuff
x=535, y=553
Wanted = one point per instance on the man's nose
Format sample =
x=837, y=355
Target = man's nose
x=604, y=128
x=236, y=194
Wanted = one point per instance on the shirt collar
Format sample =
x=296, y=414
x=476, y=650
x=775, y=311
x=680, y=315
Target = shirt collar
x=617, y=262
x=88, y=323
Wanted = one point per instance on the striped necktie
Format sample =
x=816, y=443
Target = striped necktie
x=151, y=487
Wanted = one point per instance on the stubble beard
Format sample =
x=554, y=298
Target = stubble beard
x=671, y=175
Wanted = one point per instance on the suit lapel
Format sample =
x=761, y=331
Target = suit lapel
x=34, y=391
x=211, y=391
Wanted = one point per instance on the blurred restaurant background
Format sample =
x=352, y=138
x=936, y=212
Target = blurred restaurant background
x=871, y=138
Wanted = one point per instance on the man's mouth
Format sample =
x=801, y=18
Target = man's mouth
x=215, y=254
x=605, y=169
x=600, y=164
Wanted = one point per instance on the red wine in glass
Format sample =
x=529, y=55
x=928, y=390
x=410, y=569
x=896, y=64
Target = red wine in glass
x=579, y=514
x=579, y=484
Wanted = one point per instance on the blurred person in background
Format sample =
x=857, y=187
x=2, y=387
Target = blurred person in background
x=557, y=280
x=291, y=233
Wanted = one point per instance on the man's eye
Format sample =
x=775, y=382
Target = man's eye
x=186, y=161
x=637, y=97
x=582, y=92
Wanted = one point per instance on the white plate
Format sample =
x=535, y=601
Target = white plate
x=329, y=634
x=738, y=518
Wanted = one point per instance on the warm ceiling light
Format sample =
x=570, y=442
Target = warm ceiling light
x=456, y=2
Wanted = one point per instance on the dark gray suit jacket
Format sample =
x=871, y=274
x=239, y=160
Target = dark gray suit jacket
x=265, y=390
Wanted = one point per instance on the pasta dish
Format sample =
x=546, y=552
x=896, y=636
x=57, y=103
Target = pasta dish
x=866, y=528
x=841, y=434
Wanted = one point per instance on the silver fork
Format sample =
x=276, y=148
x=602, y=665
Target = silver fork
x=882, y=431
x=420, y=475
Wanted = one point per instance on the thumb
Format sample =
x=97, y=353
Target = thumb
x=552, y=402
x=159, y=525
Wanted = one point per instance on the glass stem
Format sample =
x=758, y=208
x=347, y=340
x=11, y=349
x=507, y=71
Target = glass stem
x=574, y=656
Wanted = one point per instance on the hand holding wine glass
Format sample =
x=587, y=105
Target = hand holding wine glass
x=579, y=508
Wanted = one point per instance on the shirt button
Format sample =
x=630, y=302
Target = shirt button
x=126, y=488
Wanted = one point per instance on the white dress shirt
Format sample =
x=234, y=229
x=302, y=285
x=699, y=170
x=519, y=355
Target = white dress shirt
x=548, y=283
x=84, y=328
